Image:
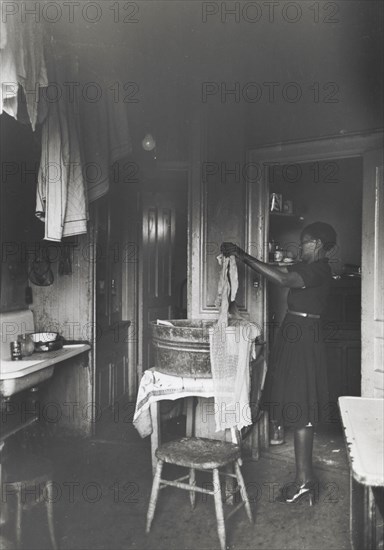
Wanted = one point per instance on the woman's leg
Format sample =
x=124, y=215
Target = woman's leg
x=303, y=442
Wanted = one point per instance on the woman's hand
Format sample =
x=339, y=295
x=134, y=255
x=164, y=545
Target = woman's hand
x=231, y=249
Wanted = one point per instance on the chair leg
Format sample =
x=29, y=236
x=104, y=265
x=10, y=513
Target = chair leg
x=243, y=490
x=18, y=517
x=154, y=494
x=192, y=481
x=51, y=525
x=219, y=508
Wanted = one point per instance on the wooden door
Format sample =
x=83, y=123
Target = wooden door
x=112, y=330
x=159, y=293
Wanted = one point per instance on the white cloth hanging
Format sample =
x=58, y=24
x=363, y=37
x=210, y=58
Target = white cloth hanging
x=230, y=349
x=61, y=200
x=22, y=62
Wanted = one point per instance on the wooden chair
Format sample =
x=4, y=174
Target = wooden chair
x=197, y=453
x=29, y=478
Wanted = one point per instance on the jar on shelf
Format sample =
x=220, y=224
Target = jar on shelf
x=278, y=255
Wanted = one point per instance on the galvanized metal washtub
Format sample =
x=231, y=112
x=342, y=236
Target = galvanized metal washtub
x=183, y=348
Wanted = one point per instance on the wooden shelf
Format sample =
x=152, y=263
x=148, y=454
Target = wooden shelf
x=282, y=215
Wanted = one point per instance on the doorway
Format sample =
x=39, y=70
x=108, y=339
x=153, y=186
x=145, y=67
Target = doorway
x=163, y=267
x=368, y=148
x=329, y=190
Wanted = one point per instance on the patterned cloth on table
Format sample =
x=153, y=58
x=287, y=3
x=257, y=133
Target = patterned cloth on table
x=156, y=386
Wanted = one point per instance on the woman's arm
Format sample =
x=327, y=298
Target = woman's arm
x=278, y=275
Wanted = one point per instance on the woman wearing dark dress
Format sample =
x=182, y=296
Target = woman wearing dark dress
x=296, y=392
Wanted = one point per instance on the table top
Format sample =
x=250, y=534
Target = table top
x=363, y=421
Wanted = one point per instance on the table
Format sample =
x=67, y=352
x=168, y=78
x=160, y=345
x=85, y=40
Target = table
x=155, y=387
x=363, y=422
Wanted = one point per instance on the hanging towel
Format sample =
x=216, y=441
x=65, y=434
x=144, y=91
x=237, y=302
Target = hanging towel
x=35, y=71
x=11, y=61
x=230, y=347
x=21, y=63
x=61, y=200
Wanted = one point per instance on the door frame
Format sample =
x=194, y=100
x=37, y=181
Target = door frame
x=368, y=147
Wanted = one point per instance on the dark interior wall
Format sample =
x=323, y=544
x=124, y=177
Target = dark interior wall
x=65, y=305
x=304, y=71
x=335, y=69
x=20, y=151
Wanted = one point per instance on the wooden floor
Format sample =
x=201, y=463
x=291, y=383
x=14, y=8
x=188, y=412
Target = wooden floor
x=103, y=487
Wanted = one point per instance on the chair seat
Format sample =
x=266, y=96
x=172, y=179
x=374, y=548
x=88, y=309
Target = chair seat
x=23, y=471
x=26, y=468
x=198, y=452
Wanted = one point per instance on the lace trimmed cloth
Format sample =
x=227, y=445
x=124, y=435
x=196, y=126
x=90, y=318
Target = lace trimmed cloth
x=230, y=348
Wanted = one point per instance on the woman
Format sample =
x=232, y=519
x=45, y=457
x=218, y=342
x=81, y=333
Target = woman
x=296, y=391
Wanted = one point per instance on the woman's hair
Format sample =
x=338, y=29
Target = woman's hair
x=322, y=231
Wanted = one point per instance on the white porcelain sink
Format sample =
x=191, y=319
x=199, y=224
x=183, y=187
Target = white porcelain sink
x=10, y=386
x=16, y=376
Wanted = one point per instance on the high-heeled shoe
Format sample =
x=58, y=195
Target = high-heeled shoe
x=298, y=493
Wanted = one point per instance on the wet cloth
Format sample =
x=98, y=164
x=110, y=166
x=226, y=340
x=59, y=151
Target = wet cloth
x=230, y=348
x=296, y=389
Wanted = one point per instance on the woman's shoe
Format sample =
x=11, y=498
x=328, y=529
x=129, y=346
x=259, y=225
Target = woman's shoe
x=293, y=493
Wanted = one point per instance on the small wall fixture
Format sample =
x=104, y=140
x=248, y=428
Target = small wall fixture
x=148, y=142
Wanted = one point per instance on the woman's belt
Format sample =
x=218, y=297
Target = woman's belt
x=301, y=314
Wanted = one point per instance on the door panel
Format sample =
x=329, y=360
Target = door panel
x=112, y=344
x=160, y=293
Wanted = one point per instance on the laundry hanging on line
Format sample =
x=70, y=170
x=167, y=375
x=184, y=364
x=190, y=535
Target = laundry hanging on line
x=61, y=196
x=22, y=64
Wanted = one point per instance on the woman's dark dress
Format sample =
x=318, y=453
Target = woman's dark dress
x=296, y=390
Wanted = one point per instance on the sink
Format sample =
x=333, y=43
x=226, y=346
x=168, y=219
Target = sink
x=11, y=386
x=16, y=376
